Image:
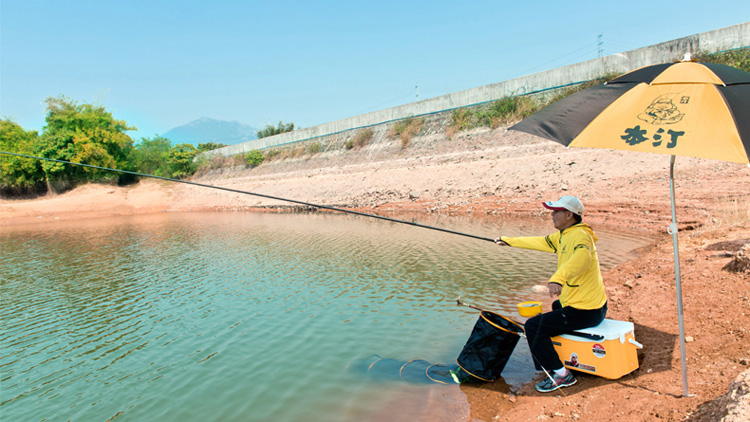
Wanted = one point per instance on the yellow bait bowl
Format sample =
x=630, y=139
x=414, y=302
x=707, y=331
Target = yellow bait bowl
x=530, y=308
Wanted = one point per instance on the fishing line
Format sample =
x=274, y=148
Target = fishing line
x=308, y=204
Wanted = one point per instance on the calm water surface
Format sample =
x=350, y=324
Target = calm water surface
x=245, y=317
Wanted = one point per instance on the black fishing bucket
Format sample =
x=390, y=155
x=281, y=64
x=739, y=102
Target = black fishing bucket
x=489, y=346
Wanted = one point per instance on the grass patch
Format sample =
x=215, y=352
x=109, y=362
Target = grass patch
x=461, y=119
x=313, y=148
x=506, y=110
x=362, y=138
x=510, y=109
x=205, y=165
x=497, y=113
x=580, y=87
x=281, y=153
x=739, y=58
x=734, y=212
x=407, y=129
x=273, y=154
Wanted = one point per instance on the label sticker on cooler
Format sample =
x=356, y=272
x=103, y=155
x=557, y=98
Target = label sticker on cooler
x=598, y=350
x=574, y=363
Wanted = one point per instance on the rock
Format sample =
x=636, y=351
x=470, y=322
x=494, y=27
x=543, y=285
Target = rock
x=737, y=400
x=739, y=264
x=539, y=288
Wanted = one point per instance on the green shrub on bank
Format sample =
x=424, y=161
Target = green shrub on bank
x=254, y=158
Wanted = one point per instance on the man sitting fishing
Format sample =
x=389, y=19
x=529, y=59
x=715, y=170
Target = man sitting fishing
x=577, y=283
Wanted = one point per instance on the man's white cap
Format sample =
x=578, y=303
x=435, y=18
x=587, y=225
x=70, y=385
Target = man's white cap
x=567, y=202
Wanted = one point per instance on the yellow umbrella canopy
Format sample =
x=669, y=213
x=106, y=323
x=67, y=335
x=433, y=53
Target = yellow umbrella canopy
x=685, y=108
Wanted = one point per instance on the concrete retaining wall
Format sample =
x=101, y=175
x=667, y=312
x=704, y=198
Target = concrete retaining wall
x=729, y=38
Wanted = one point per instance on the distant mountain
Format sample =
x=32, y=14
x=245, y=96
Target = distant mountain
x=206, y=130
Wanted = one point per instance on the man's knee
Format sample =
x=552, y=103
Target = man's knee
x=532, y=324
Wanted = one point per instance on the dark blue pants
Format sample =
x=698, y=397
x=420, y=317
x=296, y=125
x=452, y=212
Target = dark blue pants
x=541, y=328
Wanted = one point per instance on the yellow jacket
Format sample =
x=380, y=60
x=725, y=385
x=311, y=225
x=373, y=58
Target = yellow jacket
x=577, y=264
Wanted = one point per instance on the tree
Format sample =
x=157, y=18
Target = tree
x=85, y=134
x=17, y=174
x=150, y=156
x=270, y=130
x=180, y=160
x=208, y=146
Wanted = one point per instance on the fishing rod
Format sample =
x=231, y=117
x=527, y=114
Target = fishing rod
x=325, y=207
x=460, y=303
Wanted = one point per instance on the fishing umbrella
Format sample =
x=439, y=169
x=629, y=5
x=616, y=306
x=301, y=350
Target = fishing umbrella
x=685, y=108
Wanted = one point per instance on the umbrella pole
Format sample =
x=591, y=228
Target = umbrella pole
x=678, y=281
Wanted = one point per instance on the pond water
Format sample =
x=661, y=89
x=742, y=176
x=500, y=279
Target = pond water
x=248, y=317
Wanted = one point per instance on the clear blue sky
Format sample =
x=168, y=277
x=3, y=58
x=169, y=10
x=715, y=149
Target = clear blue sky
x=161, y=64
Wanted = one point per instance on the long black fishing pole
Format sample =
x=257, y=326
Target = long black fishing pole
x=325, y=207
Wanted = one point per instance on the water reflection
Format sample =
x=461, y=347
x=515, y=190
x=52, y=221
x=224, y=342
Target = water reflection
x=245, y=317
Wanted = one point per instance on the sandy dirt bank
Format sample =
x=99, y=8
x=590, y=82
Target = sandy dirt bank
x=497, y=174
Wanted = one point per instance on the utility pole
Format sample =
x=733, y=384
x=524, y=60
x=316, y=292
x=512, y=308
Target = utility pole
x=600, y=44
x=416, y=89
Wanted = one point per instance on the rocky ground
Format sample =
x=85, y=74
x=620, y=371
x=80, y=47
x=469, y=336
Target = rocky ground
x=493, y=173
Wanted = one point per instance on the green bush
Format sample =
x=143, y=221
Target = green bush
x=254, y=158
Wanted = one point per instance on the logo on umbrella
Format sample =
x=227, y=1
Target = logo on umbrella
x=663, y=111
x=636, y=135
